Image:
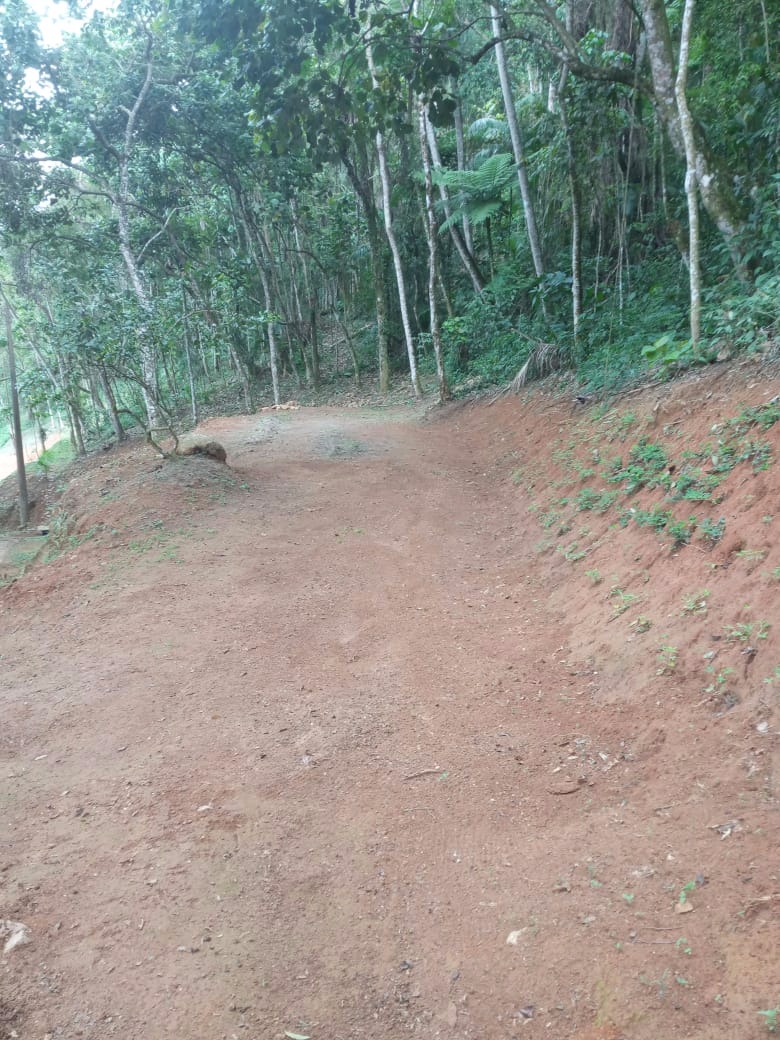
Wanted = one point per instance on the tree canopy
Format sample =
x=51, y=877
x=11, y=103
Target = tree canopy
x=220, y=203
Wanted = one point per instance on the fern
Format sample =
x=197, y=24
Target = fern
x=478, y=194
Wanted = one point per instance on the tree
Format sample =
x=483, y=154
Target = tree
x=517, y=143
x=431, y=232
x=387, y=211
x=21, y=474
x=687, y=131
x=689, y=141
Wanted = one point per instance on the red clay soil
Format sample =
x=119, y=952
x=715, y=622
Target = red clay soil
x=376, y=732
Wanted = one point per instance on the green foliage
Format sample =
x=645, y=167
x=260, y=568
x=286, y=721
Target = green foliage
x=667, y=662
x=477, y=194
x=694, y=485
x=681, y=531
x=54, y=458
x=254, y=150
x=696, y=602
x=622, y=600
x=646, y=463
x=657, y=519
x=712, y=530
x=598, y=501
x=744, y=631
x=671, y=353
x=485, y=340
x=770, y=1016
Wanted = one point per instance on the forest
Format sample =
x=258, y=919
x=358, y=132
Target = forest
x=215, y=205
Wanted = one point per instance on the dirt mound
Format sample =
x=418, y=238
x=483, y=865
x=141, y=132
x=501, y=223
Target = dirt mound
x=459, y=728
x=211, y=449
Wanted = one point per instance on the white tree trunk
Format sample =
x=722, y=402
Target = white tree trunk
x=460, y=151
x=517, y=143
x=432, y=233
x=384, y=177
x=459, y=240
x=21, y=472
x=273, y=347
x=686, y=128
x=149, y=387
x=717, y=195
x=576, y=215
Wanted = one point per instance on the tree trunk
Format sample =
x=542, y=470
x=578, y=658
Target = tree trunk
x=255, y=242
x=460, y=151
x=311, y=296
x=315, y=347
x=517, y=143
x=188, y=358
x=71, y=403
x=344, y=326
x=301, y=327
x=149, y=386
x=384, y=177
x=380, y=302
x=113, y=411
x=21, y=472
x=576, y=214
x=365, y=194
x=464, y=251
x=432, y=233
x=273, y=349
x=686, y=127
x=717, y=195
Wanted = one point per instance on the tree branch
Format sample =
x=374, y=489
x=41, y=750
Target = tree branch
x=567, y=53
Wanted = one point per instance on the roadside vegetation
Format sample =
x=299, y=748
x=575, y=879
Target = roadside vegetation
x=205, y=207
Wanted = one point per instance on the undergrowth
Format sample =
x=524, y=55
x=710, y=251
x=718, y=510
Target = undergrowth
x=692, y=476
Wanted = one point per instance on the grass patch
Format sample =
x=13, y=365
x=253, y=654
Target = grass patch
x=56, y=457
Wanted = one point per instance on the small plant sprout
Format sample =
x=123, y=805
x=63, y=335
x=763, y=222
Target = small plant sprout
x=592, y=879
x=621, y=600
x=770, y=1016
x=751, y=554
x=682, y=899
x=712, y=531
x=696, y=602
x=744, y=631
x=681, y=531
x=683, y=947
x=595, y=576
x=720, y=679
x=573, y=553
x=667, y=660
x=642, y=623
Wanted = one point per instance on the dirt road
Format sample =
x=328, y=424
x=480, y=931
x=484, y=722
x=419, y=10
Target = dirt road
x=295, y=746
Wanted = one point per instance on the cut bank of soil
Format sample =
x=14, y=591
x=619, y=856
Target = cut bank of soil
x=333, y=741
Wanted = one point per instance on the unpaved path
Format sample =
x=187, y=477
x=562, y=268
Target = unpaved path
x=308, y=753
